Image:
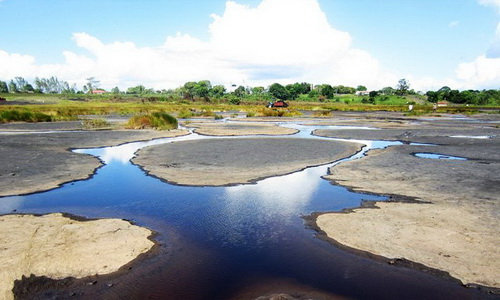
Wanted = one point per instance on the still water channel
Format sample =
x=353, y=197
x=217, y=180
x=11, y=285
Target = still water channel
x=218, y=241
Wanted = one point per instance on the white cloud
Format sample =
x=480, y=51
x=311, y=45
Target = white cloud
x=495, y=3
x=290, y=41
x=494, y=50
x=484, y=71
x=454, y=24
x=278, y=41
x=481, y=73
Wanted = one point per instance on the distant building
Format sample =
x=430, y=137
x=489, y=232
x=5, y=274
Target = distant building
x=363, y=93
x=98, y=92
x=442, y=103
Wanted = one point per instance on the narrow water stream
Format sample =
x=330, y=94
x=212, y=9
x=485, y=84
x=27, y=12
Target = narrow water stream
x=220, y=240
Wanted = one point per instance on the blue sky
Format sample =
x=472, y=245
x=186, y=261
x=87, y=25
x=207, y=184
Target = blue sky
x=163, y=44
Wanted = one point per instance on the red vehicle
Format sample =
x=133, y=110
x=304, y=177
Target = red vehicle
x=279, y=103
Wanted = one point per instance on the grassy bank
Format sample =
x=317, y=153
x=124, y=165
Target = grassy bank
x=23, y=115
x=42, y=107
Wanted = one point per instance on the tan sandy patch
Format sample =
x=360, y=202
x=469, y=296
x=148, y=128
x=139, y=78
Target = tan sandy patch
x=441, y=237
x=58, y=247
x=218, y=162
x=458, y=233
x=239, y=129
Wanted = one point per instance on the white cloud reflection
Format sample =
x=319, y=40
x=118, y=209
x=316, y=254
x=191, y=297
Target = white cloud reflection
x=124, y=153
x=283, y=196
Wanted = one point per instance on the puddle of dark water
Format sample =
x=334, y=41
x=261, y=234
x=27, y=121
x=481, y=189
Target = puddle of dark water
x=227, y=236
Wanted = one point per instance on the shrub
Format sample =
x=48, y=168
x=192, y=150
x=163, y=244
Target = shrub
x=234, y=100
x=15, y=115
x=156, y=120
x=273, y=112
x=184, y=114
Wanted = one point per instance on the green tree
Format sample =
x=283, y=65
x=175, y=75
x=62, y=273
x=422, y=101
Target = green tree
x=240, y=91
x=53, y=85
x=217, y=91
x=278, y=91
x=293, y=93
x=340, y=89
x=313, y=94
x=388, y=91
x=3, y=87
x=21, y=84
x=28, y=88
x=13, y=87
x=361, y=88
x=40, y=86
x=65, y=88
x=188, y=90
x=326, y=91
x=373, y=94
x=432, y=96
x=491, y=97
x=258, y=90
x=92, y=84
x=202, y=89
x=470, y=97
x=444, y=89
x=402, y=87
x=115, y=90
x=455, y=96
x=296, y=89
x=136, y=90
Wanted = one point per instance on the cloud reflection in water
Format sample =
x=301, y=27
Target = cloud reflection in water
x=259, y=213
x=124, y=153
x=283, y=196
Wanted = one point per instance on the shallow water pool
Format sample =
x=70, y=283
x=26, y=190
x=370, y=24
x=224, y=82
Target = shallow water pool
x=438, y=156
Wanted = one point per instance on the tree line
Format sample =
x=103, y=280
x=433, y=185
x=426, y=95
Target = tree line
x=300, y=91
x=473, y=97
x=50, y=85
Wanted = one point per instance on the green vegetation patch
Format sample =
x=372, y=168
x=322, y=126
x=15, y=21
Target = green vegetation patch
x=15, y=115
x=277, y=112
x=156, y=120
